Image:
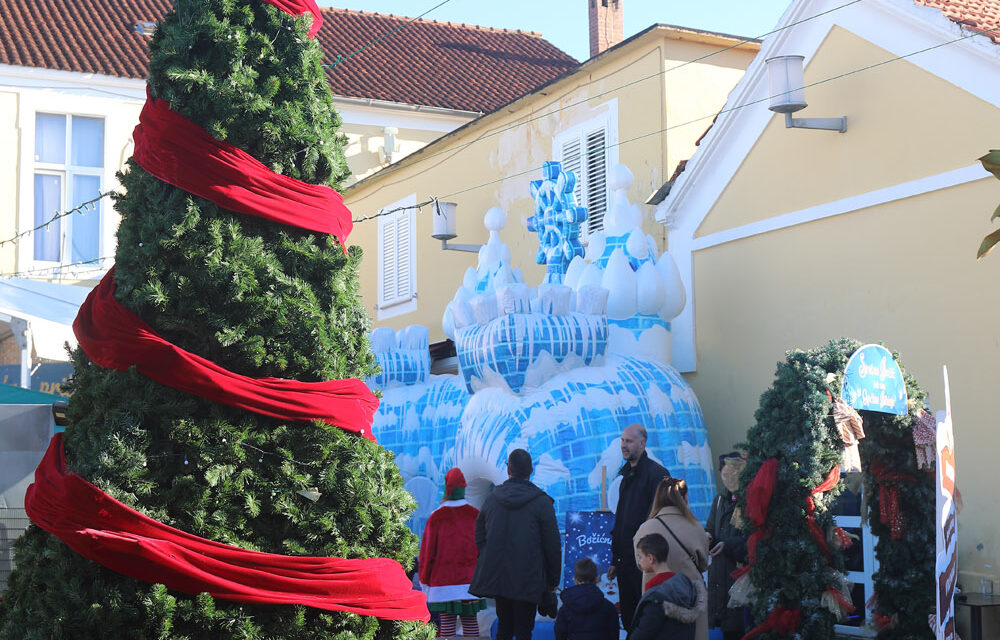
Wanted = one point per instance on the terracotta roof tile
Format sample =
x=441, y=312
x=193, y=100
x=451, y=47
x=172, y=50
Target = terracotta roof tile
x=977, y=15
x=430, y=63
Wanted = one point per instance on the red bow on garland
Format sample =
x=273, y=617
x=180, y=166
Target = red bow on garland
x=780, y=620
x=758, y=499
x=831, y=481
x=888, y=497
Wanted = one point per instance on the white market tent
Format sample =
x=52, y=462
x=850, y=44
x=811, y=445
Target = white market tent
x=40, y=316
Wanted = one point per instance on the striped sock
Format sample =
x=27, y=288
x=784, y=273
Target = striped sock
x=470, y=626
x=447, y=626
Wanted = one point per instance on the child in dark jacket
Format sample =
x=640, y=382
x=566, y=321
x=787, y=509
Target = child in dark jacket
x=672, y=602
x=586, y=614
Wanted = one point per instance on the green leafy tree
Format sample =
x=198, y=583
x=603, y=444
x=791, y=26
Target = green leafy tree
x=991, y=162
x=258, y=298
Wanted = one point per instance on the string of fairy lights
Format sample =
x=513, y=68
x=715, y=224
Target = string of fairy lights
x=91, y=204
x=98, y=264
x=82, y=208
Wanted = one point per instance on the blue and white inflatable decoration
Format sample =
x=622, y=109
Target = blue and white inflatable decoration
x=559, y=369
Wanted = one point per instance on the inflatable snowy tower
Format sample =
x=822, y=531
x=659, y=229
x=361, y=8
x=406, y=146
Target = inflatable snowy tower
x=559, y=369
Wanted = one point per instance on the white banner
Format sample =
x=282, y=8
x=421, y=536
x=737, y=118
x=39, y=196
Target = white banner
x=946, y=523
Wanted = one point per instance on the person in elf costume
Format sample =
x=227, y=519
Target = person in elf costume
x=448, y=557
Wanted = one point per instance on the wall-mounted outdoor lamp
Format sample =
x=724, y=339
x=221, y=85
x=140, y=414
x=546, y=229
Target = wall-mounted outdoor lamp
x=788, y=94
x=444, y=227
x=389, y=145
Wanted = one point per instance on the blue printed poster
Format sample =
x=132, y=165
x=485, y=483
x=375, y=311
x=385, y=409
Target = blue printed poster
x=588, y=535
x=874, y=382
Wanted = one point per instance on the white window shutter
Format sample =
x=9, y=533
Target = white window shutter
x=387, y=229
x=404, y=256
x=396, y=258
x=570, y=157
x=596, y=168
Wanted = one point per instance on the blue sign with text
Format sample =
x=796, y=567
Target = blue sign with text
x=874, y=382
x=48, y=377
x=588, y=535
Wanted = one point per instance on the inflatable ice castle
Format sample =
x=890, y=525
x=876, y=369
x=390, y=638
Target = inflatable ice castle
x=558, y=369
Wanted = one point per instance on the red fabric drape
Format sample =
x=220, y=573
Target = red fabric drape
x=115, y=338
x=299, y=7
x=103, y=530
x=830, y=482
x=758, y=498
x=755, y=538
x=888, y=497
x=759, y=491
x=780, y=620
x=178, y=151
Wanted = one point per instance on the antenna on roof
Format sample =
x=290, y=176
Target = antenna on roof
x=144, y=28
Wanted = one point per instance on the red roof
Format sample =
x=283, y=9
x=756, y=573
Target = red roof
x=428, y=63
x=977, y=15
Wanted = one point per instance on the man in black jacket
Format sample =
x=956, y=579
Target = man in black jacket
x=519, y=549
x=640, y=476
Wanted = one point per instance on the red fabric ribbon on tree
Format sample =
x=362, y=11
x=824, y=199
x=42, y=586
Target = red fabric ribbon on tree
x=759, y=491
x=300, y=7
x=831, y=481
x=103, y=530
x=781, y=620
x=758, y=498
x=115, y=338
x=888, y=496
x=178, y=151
x=755, y=538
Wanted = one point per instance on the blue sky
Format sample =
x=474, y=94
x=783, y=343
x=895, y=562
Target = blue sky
x=564, y=22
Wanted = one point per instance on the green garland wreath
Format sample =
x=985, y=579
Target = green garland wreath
x=795, y=425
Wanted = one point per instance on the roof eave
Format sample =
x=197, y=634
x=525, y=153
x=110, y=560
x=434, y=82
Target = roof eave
x=583, y=67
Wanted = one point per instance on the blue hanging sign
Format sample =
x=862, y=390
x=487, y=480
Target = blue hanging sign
x=874, y=382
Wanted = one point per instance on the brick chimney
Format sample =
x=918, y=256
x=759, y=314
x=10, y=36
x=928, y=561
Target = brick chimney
x=605, y=25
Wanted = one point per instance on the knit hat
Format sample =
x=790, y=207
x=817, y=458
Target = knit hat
x=454, y=484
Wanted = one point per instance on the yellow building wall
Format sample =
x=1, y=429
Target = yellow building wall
x=895, y=133
x=9, y=145
x=491, y=162
x=364, y=142
x=903, y=273
x=695, y=90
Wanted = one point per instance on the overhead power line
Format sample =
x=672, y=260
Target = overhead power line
x=342, y=59
x=749, y=104
x=547, y=113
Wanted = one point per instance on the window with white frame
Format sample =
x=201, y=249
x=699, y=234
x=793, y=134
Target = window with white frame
x=68, y=171
x=589, y=151
x=397, y=289
x=859, y=558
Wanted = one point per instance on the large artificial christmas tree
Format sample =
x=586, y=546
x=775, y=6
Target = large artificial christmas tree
x=256, y=299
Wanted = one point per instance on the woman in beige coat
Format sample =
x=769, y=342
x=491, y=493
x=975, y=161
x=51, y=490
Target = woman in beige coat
x=671, y=518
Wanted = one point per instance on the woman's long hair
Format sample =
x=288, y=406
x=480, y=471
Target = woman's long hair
x=672, y=492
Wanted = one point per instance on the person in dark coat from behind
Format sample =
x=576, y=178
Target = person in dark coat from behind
x=672, y=602
x=729, y=549
x=586, y=614
x=519, y=549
